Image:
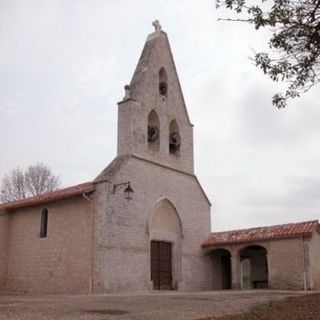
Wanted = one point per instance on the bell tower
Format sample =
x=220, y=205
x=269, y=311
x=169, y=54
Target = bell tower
x=153, y=121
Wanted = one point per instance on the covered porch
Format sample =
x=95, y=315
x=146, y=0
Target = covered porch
x=276, y=257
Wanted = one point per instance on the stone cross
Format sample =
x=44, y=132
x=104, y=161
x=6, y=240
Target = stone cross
x=156, y=25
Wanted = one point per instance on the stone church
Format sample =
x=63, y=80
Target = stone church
x=143, y=223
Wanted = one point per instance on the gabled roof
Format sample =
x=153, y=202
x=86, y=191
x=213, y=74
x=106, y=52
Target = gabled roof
x=291, y=230
x=107, y=173
x=151, y=52
x=49, y=196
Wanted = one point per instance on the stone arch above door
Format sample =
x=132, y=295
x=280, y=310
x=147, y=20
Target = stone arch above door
x=165, y=229
x=165, y=217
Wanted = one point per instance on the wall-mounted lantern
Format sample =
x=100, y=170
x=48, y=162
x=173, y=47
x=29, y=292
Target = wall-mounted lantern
x=128, y=191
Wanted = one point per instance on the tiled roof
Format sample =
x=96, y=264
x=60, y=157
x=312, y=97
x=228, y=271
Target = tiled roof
x=291, y=230
x=49, y=196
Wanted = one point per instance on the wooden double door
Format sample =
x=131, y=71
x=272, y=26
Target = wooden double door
x=161, y=265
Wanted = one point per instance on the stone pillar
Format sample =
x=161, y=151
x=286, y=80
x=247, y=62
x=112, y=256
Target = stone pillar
x=268, y=269
x=235, y=271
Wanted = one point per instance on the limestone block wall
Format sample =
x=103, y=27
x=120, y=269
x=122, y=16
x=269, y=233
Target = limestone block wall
x=286, y=264
x=59, y=263
x=315, y=261
x=4, y=246
x=122, y=228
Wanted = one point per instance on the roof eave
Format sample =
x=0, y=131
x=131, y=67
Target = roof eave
x=8, y=208
x=228, y=243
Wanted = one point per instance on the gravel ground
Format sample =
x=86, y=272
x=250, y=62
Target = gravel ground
x=153, y=306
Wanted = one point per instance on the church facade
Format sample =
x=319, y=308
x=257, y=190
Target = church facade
x=143, y=223
x=97, y=240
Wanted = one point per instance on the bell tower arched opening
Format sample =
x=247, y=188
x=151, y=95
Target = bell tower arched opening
x=174, y=138
x=153, y=131
x=163, y=83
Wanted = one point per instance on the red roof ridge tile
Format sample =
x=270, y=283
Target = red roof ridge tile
x=280, y=231
x=51, y=196
x=268, y=226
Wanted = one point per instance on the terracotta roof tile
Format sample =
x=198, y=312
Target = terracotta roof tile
x=49, y=196
x=291, y=230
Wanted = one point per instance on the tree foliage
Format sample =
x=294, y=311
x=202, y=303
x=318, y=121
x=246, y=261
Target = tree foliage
x=295, y=41
x=20, y=184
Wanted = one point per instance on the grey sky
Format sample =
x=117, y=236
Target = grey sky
x=63, y=65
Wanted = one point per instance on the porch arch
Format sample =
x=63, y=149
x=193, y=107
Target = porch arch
x=221, y=269
x=254, y=267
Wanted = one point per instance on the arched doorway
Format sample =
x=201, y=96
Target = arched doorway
x=221, y=269
x=165, y=246
x=254, y=267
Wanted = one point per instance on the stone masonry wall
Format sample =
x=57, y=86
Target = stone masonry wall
x=122, y=263
x=4, y=234
x=59, y=263
x=315, y=261
x=286, y=266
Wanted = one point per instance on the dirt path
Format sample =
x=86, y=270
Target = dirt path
x=154, y=306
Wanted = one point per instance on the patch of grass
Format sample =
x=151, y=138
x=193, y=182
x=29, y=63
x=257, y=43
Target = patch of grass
x=305, y=307
x=107, y=311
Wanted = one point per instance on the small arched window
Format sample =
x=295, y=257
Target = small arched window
x=174, y=138
x=44, y=223
x=153, y=131
x=163, y=82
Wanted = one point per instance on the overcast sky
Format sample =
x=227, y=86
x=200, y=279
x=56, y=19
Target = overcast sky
x=63, y=65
